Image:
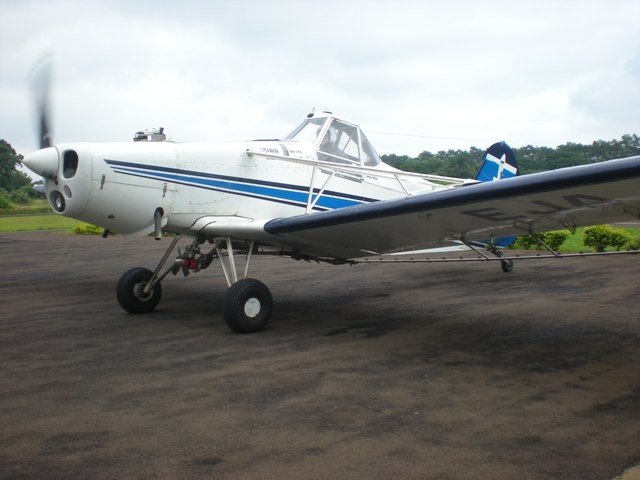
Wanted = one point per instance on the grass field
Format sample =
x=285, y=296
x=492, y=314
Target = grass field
x=38, y=206
x=26, y=223
x=574, y=242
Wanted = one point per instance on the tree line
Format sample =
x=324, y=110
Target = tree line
x=15, y=186
x=10, y=177
x=466, y=163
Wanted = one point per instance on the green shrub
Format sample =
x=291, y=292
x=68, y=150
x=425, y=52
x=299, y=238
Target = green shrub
x=20, y=197
x=619, y=239
x=5, y=203
x=555, y=239
x=601, y=237
x=634, y=244
x=552, y=239
x=87, y=229
x=526, y=242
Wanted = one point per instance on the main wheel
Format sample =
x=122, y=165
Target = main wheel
x=247, y=306
x=130, y=291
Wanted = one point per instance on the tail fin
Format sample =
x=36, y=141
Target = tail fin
x=499, y=162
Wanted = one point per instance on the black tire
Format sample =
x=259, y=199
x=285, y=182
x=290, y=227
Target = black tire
x=129, y=291
x=247, y=306
x=507, y=265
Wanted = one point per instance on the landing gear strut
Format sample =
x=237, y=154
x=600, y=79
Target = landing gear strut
x=247, y=304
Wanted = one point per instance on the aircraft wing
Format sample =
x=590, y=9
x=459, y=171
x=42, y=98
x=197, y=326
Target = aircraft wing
x=577, y=196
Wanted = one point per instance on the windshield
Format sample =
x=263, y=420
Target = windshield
x=337, y=141
x=307, y=130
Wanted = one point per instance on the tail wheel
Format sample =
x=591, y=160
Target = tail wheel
x=130, y=291
x=507, y=265
x=247, y=306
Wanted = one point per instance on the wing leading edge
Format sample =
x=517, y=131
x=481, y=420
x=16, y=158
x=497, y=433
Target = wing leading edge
x=576, y=196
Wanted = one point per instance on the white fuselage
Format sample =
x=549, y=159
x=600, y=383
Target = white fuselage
x=119, y=186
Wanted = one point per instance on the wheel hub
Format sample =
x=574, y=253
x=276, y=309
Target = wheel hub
x=252, y=307
x=138, y=291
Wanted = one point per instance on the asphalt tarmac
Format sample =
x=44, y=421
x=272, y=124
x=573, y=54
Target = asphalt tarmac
x=440, y=371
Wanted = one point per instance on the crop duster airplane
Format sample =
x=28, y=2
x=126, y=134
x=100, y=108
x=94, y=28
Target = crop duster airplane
x=321, y=193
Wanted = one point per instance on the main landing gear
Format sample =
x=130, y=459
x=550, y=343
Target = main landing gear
x=247, y=304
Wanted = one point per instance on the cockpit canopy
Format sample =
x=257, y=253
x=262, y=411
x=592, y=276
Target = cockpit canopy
x=336, y=140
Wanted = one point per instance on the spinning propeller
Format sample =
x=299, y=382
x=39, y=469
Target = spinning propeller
x=43, y=162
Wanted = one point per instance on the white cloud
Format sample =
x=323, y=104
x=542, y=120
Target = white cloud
x=537, y=72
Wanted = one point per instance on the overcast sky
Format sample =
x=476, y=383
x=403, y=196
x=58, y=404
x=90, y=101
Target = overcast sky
x=454, y=74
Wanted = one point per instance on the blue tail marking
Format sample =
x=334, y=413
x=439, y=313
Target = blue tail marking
x=499, y=162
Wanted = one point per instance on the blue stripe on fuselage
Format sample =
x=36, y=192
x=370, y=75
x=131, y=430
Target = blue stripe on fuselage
x=272, y=191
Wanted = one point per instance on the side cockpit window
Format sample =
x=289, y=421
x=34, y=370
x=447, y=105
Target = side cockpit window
x=345, y=143
x=369, y=156
x=340, y=144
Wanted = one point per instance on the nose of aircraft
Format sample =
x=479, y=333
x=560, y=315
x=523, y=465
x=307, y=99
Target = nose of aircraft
x=43, y=162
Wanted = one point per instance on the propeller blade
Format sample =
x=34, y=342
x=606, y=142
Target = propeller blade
x=40, y=83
